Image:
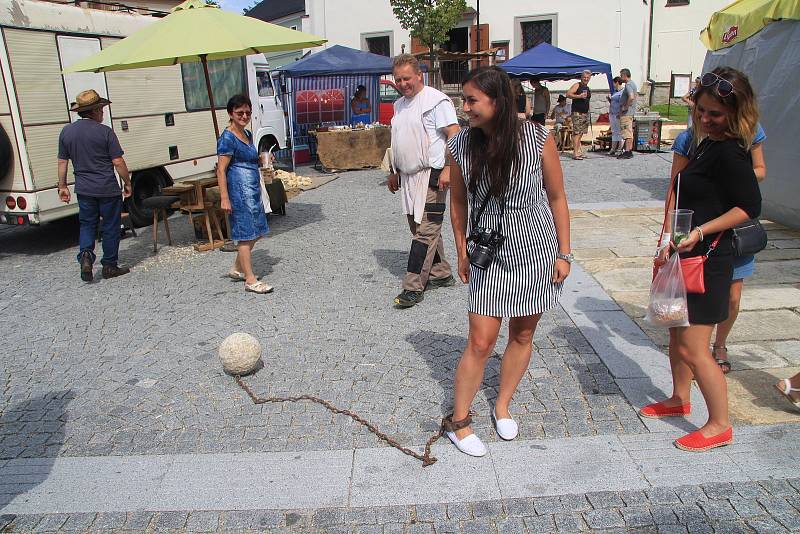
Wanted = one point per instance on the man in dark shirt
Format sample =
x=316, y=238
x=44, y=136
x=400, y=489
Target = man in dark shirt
x=580, y=94
x=95, y=153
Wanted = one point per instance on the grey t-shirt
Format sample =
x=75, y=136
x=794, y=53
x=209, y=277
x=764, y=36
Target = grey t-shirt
x=91, y=146
x=630, y=90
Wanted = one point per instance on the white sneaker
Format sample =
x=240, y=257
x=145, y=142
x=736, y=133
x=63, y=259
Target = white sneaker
x=471, y=445
x=506, y=428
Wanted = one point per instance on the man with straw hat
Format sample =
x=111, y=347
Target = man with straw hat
x=95, y=153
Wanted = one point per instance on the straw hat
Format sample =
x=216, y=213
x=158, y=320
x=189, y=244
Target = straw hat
x=88, y=100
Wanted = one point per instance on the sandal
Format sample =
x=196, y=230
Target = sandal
x=786, y=391
x=258, y=287
x=723, y=363
x=237, y=276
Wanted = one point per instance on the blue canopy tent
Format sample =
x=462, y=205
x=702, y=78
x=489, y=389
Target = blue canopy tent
x=548, y=62
x=321, y=86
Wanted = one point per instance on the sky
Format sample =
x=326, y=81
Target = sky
x=234, y=5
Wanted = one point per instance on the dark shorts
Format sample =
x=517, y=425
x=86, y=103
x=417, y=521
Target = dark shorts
x=712, y=306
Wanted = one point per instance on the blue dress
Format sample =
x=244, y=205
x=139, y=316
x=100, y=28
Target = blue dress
x=247, y=219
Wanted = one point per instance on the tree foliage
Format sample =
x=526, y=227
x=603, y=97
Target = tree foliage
x=429, y=20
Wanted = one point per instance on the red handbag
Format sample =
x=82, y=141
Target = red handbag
x=692, y=268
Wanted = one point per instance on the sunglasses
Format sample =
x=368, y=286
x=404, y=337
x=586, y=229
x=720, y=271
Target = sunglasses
x=724, y=87
x=242, y=113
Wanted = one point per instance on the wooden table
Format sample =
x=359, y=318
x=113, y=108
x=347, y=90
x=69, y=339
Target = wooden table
x=353, y=149
x=192, y=195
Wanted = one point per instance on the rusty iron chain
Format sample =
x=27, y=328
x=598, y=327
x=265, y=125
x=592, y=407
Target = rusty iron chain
x=425, y=458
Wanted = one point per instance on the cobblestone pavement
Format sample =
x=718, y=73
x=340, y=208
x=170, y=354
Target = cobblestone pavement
x=764, y=507
x=128, y=367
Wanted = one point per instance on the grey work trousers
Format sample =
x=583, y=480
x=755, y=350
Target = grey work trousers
x=426, y=258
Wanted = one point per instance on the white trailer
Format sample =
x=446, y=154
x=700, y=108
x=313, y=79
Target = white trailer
x=161, y=115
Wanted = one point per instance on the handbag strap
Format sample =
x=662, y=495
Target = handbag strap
x=677, y=178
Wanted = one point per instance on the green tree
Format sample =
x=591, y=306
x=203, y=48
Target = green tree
x=429, y=20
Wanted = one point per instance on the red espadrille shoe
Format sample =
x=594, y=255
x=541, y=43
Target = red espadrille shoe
x=695, y=442
x=657, y=409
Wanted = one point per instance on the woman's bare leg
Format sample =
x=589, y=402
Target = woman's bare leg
x=516, y=358
x=482, y=337
x=692, y=347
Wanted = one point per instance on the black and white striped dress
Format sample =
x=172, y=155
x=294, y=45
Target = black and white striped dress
x=519, y=281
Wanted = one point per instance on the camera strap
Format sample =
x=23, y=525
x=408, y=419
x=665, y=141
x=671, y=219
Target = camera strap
x=476, y=216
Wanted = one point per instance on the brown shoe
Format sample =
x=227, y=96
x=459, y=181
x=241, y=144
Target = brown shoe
x=112, y=271
x=86, y=267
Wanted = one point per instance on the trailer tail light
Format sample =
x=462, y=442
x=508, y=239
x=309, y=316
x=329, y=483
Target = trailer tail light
x=22, y=203
x=20, y=220
x=11, y=203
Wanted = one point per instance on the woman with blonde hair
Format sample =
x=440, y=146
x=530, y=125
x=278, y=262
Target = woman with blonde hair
x=719, y=185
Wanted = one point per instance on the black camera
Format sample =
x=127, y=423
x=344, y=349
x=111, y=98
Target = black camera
x=487, y=241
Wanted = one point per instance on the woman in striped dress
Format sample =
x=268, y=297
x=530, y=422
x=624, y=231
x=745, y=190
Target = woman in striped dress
x=508, y=172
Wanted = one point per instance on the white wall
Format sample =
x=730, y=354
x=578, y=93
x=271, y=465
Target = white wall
x=614, y=31
x=676, y=37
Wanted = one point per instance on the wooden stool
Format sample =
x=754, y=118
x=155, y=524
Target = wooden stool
x=159, y=205
x=209, y=216
x=565, y=138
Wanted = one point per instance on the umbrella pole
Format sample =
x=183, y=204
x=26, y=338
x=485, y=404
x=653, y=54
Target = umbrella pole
x=204, y=61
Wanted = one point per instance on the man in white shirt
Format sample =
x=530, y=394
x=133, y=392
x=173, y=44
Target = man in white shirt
x=424, y=119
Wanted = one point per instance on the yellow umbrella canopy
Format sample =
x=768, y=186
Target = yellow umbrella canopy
x=743, y=19
x=192, y=32
x=196, y=31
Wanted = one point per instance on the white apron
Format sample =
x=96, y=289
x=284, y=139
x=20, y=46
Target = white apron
x=410, y=145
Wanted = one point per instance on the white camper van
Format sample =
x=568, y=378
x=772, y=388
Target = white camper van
x=161, y=115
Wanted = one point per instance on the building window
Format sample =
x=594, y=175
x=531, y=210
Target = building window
x=536, y=32
x=377, y=43
x=227, y=79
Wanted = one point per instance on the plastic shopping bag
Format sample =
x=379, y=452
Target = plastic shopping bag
x=667, y=306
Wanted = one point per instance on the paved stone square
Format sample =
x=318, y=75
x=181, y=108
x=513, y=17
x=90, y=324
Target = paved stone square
x=125, y=371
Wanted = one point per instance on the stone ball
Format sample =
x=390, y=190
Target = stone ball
x=240, y=354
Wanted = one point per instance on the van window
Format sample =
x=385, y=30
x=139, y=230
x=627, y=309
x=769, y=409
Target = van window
x=227, y=79
x=264, y=83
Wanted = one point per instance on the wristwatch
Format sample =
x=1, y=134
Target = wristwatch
x=569, y=258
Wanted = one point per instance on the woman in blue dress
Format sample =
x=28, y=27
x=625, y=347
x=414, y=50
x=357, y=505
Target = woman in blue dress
x=359, y=106
x=240, y=191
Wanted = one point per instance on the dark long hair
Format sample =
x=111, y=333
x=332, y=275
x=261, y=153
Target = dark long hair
x=494, y=155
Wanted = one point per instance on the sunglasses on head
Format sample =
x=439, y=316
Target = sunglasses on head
x=724, y=87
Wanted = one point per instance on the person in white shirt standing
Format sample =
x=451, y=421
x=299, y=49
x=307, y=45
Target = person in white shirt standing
x=424, y=119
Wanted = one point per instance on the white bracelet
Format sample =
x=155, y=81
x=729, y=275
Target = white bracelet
x=699, y=231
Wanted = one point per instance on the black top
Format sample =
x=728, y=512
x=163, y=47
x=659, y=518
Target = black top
x=718, y=178
x=521, y=102
x=581, y=105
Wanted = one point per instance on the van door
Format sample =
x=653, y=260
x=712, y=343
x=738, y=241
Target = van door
x=271, y=117
x=71, y=50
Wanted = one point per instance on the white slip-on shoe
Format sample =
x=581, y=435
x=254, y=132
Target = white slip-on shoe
x=506, y=428
x=471, y=445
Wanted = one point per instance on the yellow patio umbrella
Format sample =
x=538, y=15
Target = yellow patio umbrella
x=743, y=19
x=196, y=31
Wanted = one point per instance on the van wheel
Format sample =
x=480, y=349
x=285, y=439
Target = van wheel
x=6, y=153
x=145, y=184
